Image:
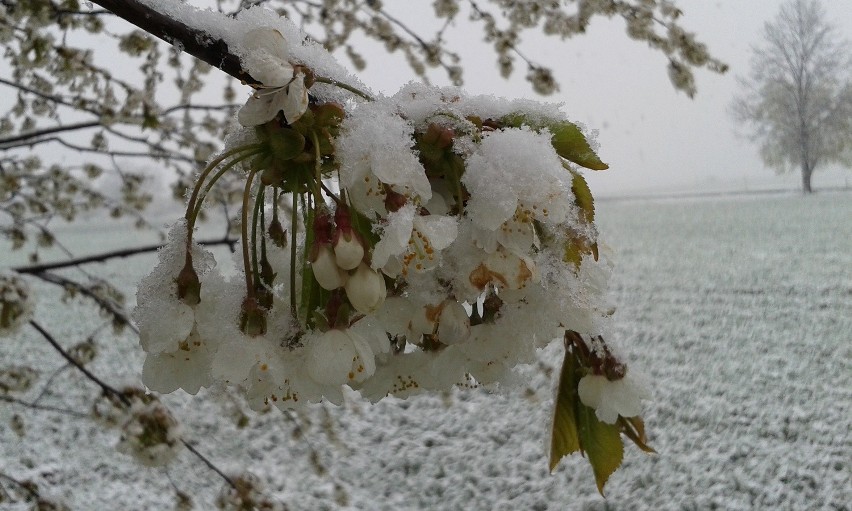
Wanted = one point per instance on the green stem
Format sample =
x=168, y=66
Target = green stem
x=333, y=196
x=216, y=178
x=191, y=207
x=258, y=208
x=294, y=224
x=244, y=228
x=317, y=169
x=353, y=90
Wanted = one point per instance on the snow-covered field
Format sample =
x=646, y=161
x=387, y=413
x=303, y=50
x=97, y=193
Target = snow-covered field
x=740, y=311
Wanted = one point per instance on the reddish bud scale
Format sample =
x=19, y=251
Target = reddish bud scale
x=188, y=285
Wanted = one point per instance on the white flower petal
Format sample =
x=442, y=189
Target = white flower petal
x=395, y=236
x=297, y=99
x=261, y=107
x=269, y=40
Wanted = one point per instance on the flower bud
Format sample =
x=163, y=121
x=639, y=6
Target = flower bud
x=453, y=323
x=348, y=250
x=366, y=289
x=328, y=274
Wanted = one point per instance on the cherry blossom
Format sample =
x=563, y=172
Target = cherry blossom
x=282, y=86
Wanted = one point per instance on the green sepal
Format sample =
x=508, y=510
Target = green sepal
x=286, y=144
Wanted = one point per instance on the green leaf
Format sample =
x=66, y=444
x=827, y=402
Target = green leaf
x=564, y=437
x=571, y=144
x=634, y=429
x=583, y=196
x=568, y=141
x=601, y=442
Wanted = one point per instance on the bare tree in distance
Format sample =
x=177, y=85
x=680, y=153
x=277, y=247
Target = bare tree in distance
x=797, y=98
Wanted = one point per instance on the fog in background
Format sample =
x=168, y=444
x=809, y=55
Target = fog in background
x=656, y=140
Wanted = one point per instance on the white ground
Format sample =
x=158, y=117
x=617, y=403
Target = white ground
x=739, y=309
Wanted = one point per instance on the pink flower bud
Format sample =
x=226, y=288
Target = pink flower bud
x=366, y=289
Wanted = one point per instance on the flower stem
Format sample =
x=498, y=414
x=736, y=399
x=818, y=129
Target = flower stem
x=191, y=205
x=244, y=227
x=258, y=209
x=215, y=178
x=294, y=223
x=353, y=90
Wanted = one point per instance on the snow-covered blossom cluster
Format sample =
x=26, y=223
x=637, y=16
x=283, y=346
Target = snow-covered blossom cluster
x=397, y=245
x=16, y=303
x=246, y=492
x=148, y=431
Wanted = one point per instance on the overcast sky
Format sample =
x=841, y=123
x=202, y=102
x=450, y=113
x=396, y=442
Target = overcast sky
x=654, y=138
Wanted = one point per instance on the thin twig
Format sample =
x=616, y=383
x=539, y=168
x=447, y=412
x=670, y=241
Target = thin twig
x=49, y=131
x=209, y=463
x=105, y=256
x=36, y=406
x=104, y=386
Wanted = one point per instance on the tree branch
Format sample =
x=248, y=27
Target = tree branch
x=36, y=406
x=191, y=40
x=49, y=131
x=105, y=387
x=102, y=257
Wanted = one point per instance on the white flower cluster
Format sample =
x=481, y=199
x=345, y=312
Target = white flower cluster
x=149, y=432
x=16, y=303
x=436, y=239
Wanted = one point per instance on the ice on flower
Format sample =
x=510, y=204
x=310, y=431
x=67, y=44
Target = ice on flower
x=613, y=398
x=282, y=87
x=505, y=270
x=512, y=167
x=163, y=319
x=415, y=239
x=338, y=357
x=186, y=368
x=16, y=304
x=173, y=324
x=374, y=151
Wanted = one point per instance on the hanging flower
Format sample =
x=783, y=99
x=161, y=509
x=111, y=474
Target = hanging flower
x=366, y=289
x=324, y=265
x=611, y=398
x=340, y=356
x=283, y=86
